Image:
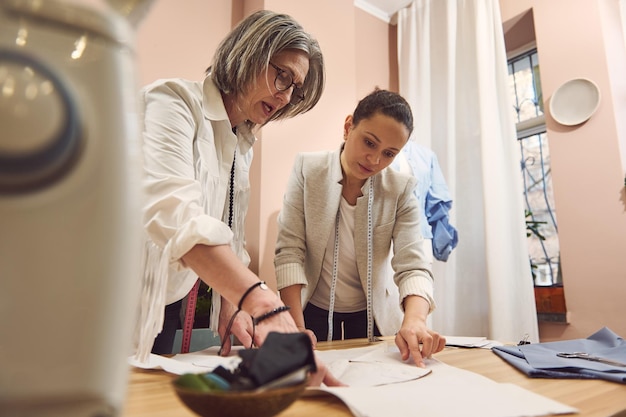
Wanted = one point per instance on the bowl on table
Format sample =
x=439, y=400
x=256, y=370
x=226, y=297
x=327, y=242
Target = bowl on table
x=254, y=403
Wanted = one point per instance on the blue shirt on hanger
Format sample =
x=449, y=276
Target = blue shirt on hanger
x=433, y=196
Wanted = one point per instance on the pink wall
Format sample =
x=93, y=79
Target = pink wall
x=375, y=53
x=179, y=41
x=582, y=38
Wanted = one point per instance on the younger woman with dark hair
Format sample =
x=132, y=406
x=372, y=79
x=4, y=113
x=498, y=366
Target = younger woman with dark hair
x=344, y=214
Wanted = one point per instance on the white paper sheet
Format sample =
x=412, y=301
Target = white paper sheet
x=471, y=342
x=195, y=362
x=370, y=367
x=446, y=391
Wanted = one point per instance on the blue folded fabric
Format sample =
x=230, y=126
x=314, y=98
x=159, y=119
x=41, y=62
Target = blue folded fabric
x=540, y=360
x=445, y=239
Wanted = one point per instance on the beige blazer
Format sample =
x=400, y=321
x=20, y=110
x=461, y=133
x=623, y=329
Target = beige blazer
x=307, y=219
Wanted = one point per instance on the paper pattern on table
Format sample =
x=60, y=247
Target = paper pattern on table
x=374, y=366
x=370, y=374
x=472, y=394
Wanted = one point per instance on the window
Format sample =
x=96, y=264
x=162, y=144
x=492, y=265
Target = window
x=541, y=220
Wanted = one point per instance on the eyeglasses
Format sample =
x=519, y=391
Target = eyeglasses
x=284, y=81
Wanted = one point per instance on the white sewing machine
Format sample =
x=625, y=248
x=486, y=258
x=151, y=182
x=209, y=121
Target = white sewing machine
x=69, y=205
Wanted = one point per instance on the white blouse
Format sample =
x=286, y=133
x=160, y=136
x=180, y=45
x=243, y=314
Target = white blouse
x=188, y=150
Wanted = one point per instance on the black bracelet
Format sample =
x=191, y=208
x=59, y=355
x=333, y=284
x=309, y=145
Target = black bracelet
x=261, y=284
x=277, y=310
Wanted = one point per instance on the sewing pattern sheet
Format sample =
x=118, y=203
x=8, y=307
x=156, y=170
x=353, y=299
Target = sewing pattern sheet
x=440, y=391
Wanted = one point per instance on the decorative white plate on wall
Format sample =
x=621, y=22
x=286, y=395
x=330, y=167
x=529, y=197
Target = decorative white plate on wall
x=575, y=101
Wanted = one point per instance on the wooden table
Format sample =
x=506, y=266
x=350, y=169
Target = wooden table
x=150, y=393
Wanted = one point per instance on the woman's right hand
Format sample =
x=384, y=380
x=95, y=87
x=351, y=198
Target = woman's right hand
x=241, y=327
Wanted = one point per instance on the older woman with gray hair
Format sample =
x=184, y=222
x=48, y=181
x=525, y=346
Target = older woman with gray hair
x=197, y=143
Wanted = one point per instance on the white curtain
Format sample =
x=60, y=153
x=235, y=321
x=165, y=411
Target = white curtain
x=453, y=71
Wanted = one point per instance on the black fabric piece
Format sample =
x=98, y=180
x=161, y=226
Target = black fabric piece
x=281, y=354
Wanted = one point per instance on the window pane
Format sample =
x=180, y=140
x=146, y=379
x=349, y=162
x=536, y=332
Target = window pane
x=543, y=242
x=543, y=245
x=525, y=86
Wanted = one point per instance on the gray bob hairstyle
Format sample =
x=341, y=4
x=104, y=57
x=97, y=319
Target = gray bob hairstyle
x=248, y=49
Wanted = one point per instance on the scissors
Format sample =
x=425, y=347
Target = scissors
x=586, y=356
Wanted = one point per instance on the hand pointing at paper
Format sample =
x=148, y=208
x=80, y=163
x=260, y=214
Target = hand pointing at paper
x=415, y=332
